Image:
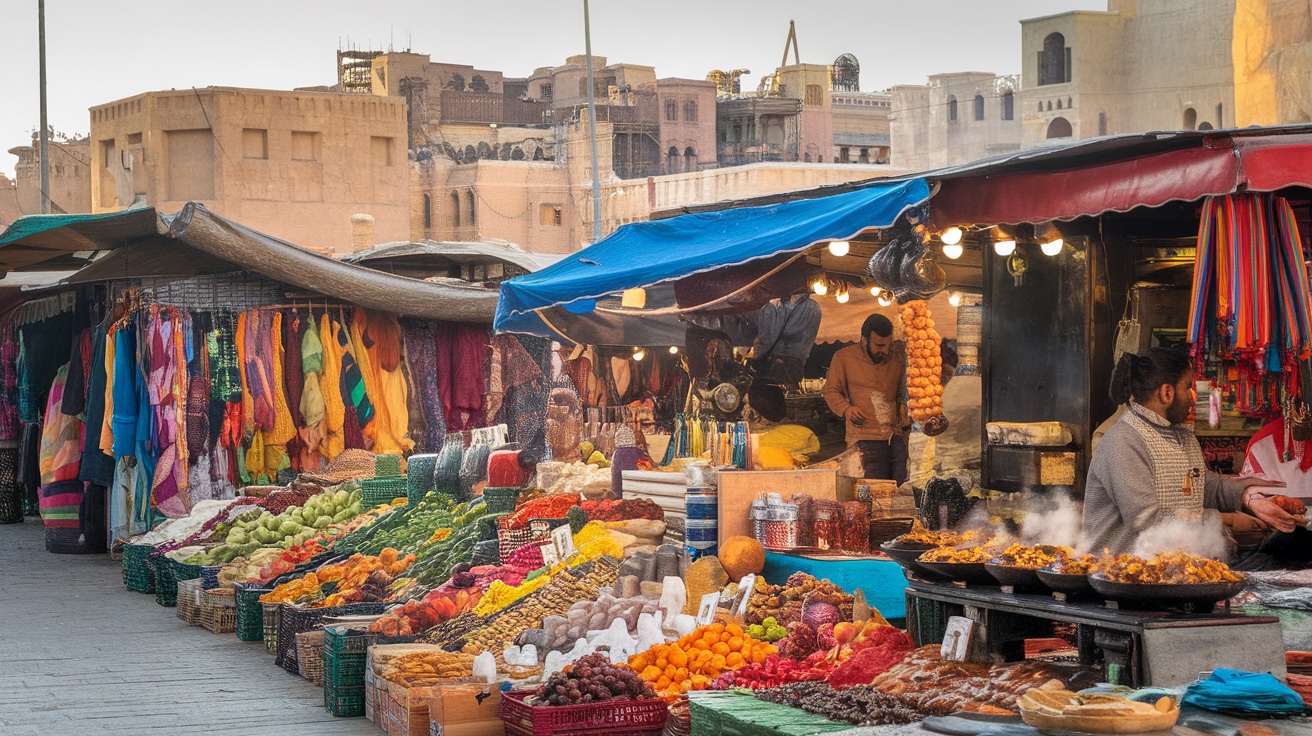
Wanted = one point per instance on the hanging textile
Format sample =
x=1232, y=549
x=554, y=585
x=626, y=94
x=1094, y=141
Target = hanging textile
x=421, y=356
x=61, y=436
x=376, y=339
x=97, y=467
x=10, y=425
x=1251, y=302
x=334, y=414
x=462, y=351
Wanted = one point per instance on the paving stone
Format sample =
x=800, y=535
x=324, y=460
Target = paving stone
x=81, y=654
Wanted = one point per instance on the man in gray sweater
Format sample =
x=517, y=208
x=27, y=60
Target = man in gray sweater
x=1149, y=468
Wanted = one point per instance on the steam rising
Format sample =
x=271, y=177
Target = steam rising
x=1055, y=519
x=1206, y=538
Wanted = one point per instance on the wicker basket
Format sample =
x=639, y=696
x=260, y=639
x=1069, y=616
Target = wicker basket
x=272, y=616
x=188, y=601
x=218, y=610
x=250, y=614
x=137, y=574
x=309, y=655
x=166, y=586
x=210, y=575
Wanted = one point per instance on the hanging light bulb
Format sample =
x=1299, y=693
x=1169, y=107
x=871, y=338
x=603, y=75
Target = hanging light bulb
x=875, y=291
x=1004, y=248
x=639, y=354
x=674, y=350
x=951, y=236
x=953, y=250
x=842, y=297
x=955, y=299
x=1052, y=247
x=820, y=287
x=839, y=247
x=885, y=299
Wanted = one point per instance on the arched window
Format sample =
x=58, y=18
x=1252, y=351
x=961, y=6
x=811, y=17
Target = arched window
x=952, y=109
x=1190, y=120
x=1059, y=128
x=469, y=199
x=979, y=107
x=428, y=214
x=689, y=159
x=690, y=111
x=671, y=111
x=1054, y=60
x=1102, y=123
x=672, y=162
x=807, y=158
x=455, y=210
x=1205, y=125
x=1008, y=106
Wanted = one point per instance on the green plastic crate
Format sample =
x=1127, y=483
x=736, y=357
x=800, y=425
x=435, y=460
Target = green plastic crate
x=137, y=573
x=344, y=653
x=500, y=499
x=374, y=491
x=250, y=612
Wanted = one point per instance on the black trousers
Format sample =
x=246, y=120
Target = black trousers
x=884, y=459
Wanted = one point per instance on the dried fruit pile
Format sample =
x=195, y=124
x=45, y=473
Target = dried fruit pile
x=594, y=679
x=861, y=706
x=416, y=616
x=610, y=509
x=422, y=668
x=784, y=602
x=693, y=662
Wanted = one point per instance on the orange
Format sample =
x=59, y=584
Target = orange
x=758, y=656
x=711, y=637
x=680, y=675
x=662, y=682
x=677, y=657
x=717, y=662
x=734, y=629
x=662, y=663
x=734, y=660
x=736, y=644
x=720, y=648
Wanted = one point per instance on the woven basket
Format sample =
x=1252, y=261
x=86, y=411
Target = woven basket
x=349, y=465
x=137, y=575
x=309, y=655
x=250, y=614
x=419, y=481
x=210, y=575
x=500, y=500
x=221, y=617
x=387, y=465
x=166, y=586
x=375, y=491
x=188, y=601
x=272, y=616
x=184, y=571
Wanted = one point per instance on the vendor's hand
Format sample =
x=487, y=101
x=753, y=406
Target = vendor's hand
x=857, y=416
x=1269, y=511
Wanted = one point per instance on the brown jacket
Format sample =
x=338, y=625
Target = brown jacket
x=855, y=379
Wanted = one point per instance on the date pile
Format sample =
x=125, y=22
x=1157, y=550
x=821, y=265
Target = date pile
x=861, y=706
x=594, y=679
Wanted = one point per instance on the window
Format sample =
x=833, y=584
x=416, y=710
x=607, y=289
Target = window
x=1204, y=125
x=1102, y=123
x=952, y=109
x=1058, y=103
x=1220, y=116
x=134, y=139
x=428, y=214
x=1054, y=60
x=690, y=111
x=671, y=111
x=549, y=215
x=455, y=210
x=546, y=92
x=190, y=166
x=469, y=199
x=979, y=107
x=689, y=159
x=255, y=143
x=1008, y=106
x=807, y=158
x=304, y=145
x=672, y=162
x=1059, y=128
x=844, y=155
x=815, y=95
x=381, y=146
x=1190, y=120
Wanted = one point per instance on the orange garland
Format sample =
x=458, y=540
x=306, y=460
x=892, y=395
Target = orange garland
x=924, y=362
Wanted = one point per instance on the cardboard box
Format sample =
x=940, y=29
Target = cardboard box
x=465, y=710
x=738, y=488
x=408, y=708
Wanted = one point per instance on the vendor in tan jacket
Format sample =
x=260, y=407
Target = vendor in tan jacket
x=865, y=388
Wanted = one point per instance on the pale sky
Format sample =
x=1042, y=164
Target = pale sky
x=99, y=51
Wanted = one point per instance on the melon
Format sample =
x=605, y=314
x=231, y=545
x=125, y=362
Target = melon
x=742, y=556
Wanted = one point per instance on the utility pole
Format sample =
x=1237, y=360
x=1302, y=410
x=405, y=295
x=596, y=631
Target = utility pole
x=592, y=123
x=44, y=150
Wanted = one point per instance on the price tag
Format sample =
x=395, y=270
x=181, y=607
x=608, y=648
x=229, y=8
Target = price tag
x=956, y=639
x=745, y=588
x=549, y=555
x=706, y=613
x=563, y=538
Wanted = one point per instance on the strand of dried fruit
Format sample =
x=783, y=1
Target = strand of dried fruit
x=924, y=362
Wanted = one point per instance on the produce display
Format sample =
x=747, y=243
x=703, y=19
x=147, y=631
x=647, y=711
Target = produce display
x=934, y=686
x=1167, y=567
x=428, y=667
x=967, y=555
x=419, y=615
x=1033, y=557
x=861, y=706
x=547, y=507
x=742, y=556
x=293, y=526
x=919, y=535
x=695, y=660
x=594, y=679
x=768, y=630
x=924, y=367
x=784, y=602
x=595, y=615
x=611, y=509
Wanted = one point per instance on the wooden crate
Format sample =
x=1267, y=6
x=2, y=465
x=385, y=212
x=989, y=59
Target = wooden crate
x=738, y=488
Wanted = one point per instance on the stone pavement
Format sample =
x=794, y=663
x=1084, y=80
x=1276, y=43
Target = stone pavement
x=81, y=654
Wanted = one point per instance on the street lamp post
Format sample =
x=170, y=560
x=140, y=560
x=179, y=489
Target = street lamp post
x=592, y=124
x=44, y=150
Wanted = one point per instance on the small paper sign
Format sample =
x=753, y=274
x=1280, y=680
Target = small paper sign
x=745, y=588
x=956, y=638
x=550, y=557
x=706, y=613
x=563, y=538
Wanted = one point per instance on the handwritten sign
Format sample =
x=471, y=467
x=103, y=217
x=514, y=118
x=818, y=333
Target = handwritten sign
x=706, y=613
x=563, y=538
x=549, y=555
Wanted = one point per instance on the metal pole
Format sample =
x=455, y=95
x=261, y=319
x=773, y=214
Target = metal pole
x=44, y=150
x=592, y=124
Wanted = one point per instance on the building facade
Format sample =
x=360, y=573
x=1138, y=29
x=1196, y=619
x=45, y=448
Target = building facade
x=296, y=165
x=954, y=119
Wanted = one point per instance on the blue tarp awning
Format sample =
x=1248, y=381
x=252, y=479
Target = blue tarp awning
x=648, y=253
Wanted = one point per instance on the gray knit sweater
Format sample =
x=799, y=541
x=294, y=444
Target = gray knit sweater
x=1119, y=498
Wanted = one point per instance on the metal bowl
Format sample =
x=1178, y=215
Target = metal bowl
x=905, y=555
x=1169, y=593
x=971, y=573
x=1019, y=578
x=1063, y=582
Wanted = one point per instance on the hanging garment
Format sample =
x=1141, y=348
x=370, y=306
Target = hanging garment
x=225, y=379
x=421, y=357
x=79, y=365
x=378, y=337
x=312, y=407
x=97, y=467
x=124, y=392
x=353, y=381
x=61, y=436
x=10, y=426
x=462, y=352
x=293, y=370
x=334, y=409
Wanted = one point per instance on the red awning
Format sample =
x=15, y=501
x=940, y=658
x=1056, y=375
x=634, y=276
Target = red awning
x=1274, y=162
x=1148, y=181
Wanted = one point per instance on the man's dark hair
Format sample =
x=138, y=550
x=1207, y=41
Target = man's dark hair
x=1139, y=376
x=878, y=324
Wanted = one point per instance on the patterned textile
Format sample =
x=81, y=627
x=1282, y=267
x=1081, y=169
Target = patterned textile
x=29, y=467
x=45, y=346
x=61, y=437
x=11, y=496
x=1179, y=470
x=10, y=426
x=352, y=386
x=421, y=357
